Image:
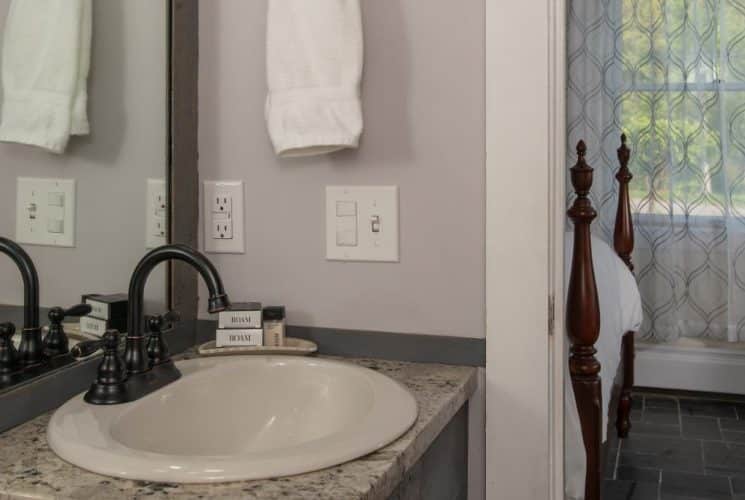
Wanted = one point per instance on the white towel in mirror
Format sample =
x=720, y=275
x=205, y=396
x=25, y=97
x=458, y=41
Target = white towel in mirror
x=314, y=69
x=46, y=61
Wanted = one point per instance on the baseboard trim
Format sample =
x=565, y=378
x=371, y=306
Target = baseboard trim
x=706, y=369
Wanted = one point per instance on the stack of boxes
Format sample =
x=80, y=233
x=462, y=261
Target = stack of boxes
x=241, y=325
x=107, y=312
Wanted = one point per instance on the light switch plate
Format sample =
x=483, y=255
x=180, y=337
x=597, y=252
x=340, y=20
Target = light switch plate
x=222, y=216
x=45, y=211
x=156, y=222
x=362, y=223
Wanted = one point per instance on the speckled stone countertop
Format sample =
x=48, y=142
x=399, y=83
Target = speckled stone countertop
x=29, y=468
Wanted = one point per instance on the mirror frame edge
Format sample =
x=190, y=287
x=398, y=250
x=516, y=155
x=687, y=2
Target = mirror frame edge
x=183, y=150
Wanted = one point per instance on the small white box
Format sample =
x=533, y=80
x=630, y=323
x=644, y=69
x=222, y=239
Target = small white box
x=241, y=315
x=93, y=326
x=227, y=337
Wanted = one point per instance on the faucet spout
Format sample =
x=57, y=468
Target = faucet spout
x=30, y=350
x=135, y=356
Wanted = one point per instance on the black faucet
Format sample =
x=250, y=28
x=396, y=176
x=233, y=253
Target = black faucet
x=31, y=350
x=140, y=375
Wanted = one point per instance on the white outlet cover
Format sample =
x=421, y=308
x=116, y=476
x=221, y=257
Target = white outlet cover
x=232, y=242
x=44, y=207
x=367, y=204
x=156, y=216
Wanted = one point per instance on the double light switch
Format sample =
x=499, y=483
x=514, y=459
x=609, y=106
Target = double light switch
x=362, y=223
x=45, y=211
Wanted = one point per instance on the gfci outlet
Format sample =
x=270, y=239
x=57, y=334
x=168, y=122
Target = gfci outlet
x=156, y=222
x=222, y=214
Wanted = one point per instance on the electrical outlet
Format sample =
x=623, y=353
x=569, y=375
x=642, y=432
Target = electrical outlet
x=222, y=214
x=222, y=228
x=223, y=203
x=156, y=214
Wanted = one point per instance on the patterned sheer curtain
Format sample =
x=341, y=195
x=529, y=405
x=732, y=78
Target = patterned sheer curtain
x=671, y=75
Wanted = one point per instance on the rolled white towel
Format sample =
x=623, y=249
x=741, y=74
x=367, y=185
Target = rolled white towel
x=314, y=70
x=46, y=61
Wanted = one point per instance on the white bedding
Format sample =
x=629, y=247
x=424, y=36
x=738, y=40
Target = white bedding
x=620, y=312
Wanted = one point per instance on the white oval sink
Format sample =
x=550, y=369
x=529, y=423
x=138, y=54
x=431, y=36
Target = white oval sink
x=237, y=418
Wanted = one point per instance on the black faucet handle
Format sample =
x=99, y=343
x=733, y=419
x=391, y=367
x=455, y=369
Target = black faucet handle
x=109, y=386
x=58, y=314
x=85, y=348
x=55, y=341
x=160, y=323
x=110, y=340
x=7, y=330
x=8, y=352
x=157, y=349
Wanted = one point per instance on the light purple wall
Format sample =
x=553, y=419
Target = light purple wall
x=423, y=106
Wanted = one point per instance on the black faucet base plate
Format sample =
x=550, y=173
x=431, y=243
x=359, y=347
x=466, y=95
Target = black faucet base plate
x=136, y=386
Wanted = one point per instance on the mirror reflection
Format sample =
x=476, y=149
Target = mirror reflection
x=83, y=158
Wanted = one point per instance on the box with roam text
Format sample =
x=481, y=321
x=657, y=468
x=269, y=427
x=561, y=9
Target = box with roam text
x=241, y=315
x=239, y=337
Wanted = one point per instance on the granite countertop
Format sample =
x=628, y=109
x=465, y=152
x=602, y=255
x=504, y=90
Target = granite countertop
x=31, y=470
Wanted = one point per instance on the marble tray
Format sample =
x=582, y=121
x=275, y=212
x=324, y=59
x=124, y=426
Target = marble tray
x=292, y=347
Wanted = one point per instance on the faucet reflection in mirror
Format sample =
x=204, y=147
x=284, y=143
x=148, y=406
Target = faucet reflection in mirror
x=142, y=370
x=30, y=351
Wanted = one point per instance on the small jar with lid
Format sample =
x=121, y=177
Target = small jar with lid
x=274, y=326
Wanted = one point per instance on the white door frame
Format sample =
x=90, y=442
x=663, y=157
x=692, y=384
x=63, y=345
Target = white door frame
x=525, y=144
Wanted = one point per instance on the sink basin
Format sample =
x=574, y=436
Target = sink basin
x=237, y=418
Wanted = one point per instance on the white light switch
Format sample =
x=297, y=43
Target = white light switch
x=346, y=231
x=56, y=199
x=156, y=221
x=223, y=217
x=45, y=212
x=362, y=223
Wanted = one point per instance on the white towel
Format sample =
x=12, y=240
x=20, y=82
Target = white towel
x=46, y=60
x=314, y=69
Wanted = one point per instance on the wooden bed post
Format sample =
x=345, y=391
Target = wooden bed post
x=623, y=233
x=623, y=243
x=583, y=325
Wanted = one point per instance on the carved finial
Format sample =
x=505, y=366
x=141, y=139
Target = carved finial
x=581, y=173
x=581, y=151
x=624, y=154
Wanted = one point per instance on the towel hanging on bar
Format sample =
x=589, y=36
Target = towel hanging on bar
x=314, y=69
x=46, y=61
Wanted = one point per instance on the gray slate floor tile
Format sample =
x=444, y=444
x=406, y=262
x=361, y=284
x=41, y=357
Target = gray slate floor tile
x=682, y=484
x=701, y=428
x=639, y=475
x=630, y=490
x=661, y=416
x=660, y=402
x=681, y=448
x=656, y=429
x=704, y=408
x=724, y=458
x=733, y=436
x=732, y=425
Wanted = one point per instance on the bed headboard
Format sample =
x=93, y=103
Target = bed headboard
x=623, y=233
